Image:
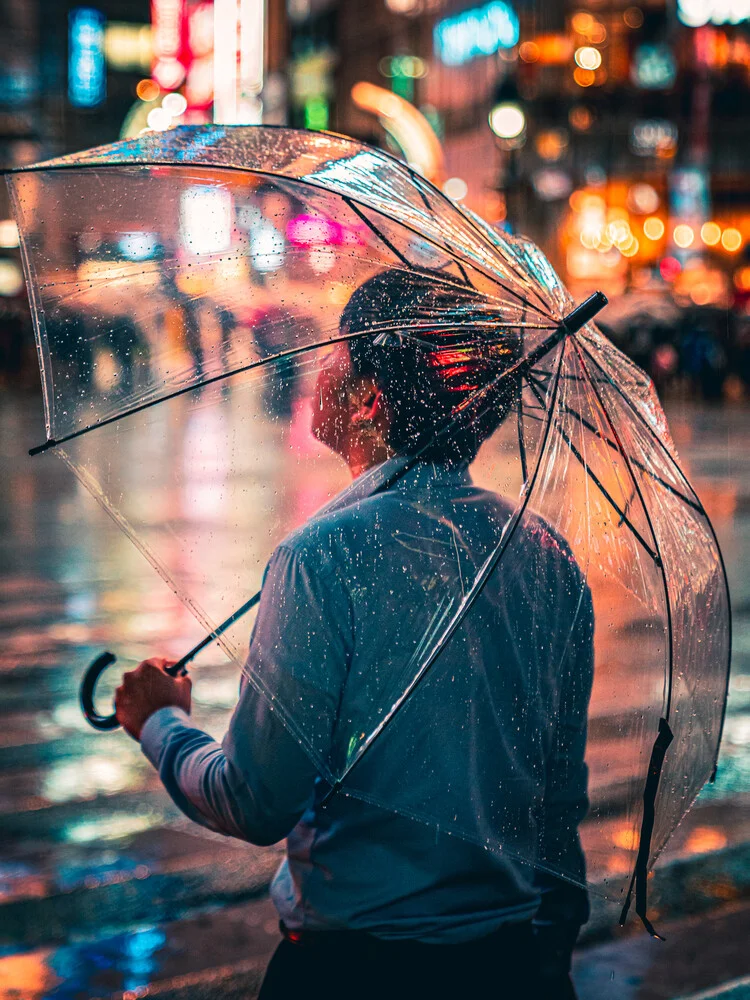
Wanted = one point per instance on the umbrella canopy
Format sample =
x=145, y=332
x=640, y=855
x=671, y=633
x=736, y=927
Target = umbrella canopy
x=195, y=293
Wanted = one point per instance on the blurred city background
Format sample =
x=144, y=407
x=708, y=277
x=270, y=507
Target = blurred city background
x=613, y=134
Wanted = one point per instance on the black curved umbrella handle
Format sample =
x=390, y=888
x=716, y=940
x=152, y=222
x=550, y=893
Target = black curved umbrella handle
x=86, y=693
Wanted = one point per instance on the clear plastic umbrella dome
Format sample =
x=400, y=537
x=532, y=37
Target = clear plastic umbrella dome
x=555, y=692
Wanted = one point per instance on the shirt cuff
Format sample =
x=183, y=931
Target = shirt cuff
x=157, y=728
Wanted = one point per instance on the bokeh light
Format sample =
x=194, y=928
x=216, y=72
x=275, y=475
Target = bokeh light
x=653, y=228
x=587, y=57
x=683, y=235
x=710, y=233
x=584, y=77
x=731, y=239
x=147, y=90
x=456, y=188
x=507, y=120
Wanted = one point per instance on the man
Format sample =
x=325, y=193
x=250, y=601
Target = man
x=374, y=899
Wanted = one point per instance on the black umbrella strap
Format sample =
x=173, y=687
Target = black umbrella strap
x=640, y=875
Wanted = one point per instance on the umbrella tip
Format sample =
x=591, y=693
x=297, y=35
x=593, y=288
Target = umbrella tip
x=581, y=315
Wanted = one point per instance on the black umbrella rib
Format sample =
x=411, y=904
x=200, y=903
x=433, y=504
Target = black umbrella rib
x=371, y=225
x=479, y=584
x=598, y=483
x=640, y=465
x=293, y=352
x=665, y=580
x=608, y=380
x=639, y=880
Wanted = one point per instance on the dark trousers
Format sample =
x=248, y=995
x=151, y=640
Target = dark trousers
x=358, y=966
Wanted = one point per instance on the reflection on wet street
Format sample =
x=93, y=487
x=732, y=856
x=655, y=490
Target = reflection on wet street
x=100, y=876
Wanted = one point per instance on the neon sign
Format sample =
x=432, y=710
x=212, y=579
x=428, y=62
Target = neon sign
x=473, y=33
x=696, y=13
x=87, y=81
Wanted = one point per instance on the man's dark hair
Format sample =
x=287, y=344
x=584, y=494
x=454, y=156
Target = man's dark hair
x=436, y=352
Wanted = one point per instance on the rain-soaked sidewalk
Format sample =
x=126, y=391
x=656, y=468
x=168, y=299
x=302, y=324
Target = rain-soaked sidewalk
x=105, y=889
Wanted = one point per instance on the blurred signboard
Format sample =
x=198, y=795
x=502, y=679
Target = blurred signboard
x=696, y=13
x=480, y=31
x=87, y=82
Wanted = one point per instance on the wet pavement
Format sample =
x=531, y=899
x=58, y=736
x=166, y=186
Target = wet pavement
x=104, y=887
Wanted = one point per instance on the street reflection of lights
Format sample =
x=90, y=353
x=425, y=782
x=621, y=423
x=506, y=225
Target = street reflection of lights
x=731, y=239
x=710, y=233
x=653, y=228
x=584, y=77
x=175, y=105
x=147, y=90
x=683, y=235
x=456, y=188
x=84, y=778
x=111, y=827
x=587, y=57
x=159, y=119
x=507, y=121
x=643, y=198
x=8, y=234
x=633, y=17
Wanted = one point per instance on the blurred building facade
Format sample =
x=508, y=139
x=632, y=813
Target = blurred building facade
x=610, y=132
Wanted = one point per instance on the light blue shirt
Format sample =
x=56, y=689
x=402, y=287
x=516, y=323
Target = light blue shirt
x=490, y=746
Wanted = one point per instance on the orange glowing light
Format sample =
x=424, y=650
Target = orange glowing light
x=588, y=57
x=408, y=126
x=147, y=90
x=580, y=118
x=704, y=839
x=653, y=228
x=626, y=837
x=529, y=52
x=633, y=17
x=584, y=77
x=550, y=145
x=582, y=22
x=731, y=239
x=710, y=233
x=742, y=279
x=553, y=49
x=683, y=235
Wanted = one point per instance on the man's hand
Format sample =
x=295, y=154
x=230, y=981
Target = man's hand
x=147, y=689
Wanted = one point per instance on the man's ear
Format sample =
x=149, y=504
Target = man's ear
x=368, y=402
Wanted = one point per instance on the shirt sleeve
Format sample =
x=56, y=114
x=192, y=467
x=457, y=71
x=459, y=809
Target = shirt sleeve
x=256, y=784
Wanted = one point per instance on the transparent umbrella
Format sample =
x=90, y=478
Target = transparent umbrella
x=535, y=607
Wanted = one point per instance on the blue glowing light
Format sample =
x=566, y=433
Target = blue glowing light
x=87, y=83
x=477, y=32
